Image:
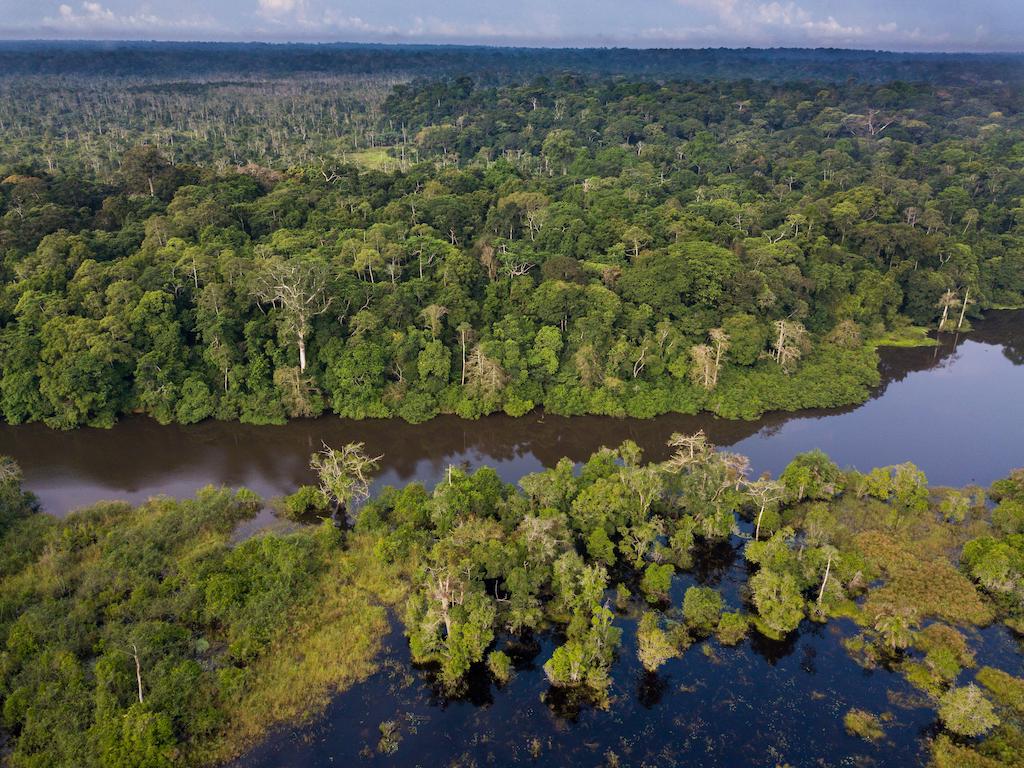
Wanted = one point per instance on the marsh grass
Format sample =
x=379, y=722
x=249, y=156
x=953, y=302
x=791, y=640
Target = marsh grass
x=908, y=336
x=919, y=584
x=333, y=642
x=860, y=723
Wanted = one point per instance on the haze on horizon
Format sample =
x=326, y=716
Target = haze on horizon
x=910, y=25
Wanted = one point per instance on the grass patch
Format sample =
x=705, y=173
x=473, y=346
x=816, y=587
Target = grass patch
x=863, y=724
x=332, y=644
x=375, y=159
x=908, y=336
x=1006, y=689
x=927, y=587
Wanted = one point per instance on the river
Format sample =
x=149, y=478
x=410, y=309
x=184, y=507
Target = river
x=955, y=410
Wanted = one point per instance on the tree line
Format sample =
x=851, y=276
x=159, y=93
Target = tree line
x=609, y=247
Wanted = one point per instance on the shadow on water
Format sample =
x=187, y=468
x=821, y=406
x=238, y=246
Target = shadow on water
x=969, y=386
x=952, y=409
x=763, y=702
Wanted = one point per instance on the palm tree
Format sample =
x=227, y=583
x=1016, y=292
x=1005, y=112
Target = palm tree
x=896, y=629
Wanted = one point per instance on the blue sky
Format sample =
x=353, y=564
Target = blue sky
x=979, y=25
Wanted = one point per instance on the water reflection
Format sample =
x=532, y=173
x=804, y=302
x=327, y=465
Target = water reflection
x=763, y=702
x=952, y=409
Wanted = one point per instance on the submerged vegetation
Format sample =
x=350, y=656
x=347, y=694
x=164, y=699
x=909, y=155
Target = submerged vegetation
x=146, y=637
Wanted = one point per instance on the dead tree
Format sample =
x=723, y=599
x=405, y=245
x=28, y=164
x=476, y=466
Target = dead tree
x=297, y=287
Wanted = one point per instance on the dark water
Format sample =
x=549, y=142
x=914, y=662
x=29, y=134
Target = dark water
x=954, y=410
x=762, y=703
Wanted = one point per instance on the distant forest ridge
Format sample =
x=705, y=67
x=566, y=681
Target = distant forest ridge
x=197, y=60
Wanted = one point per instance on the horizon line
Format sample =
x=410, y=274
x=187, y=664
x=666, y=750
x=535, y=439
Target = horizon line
x=564, y=45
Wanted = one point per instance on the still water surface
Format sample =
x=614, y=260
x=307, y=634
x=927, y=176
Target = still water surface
x=957, y=411
x=762, y=703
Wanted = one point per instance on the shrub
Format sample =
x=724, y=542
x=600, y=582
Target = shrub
x=307, y=500
x=732, y=628
x=702, y=607
x=966, y=712
x=500, y=666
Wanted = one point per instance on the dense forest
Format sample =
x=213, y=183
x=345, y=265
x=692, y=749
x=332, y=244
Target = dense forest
x=148, y=637
x=173, y=60
x=380, y=248
x=257, y=233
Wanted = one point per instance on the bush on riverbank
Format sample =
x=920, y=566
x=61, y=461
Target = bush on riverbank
x=143, y=636
x=170, y=645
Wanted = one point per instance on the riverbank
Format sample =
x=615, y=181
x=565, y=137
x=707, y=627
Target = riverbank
x=176, y=644
x=908, y=416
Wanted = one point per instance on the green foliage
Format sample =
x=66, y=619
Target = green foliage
x=159, y=587
x=863, y=724
x=655, y=644
x=966, y=712
x=812, y=475
x=656, y=581
x=500, y=666
x=459, y=269
x=305, y=501
x=220, y=630
x=600, y=547
x=732, y=628
x=780, y=606
x=702, y=607
x=585, y=658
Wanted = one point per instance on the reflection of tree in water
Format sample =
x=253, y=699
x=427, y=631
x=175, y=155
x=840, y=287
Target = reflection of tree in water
x=1003, y=329
x=809, y=661
x=712, y=562
x=1015, y=352
x=773, y=651
x=650, y=689
x=476, y=688
x=523, y=652
x=566, y=703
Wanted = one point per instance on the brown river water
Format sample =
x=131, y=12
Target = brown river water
x=956, y=410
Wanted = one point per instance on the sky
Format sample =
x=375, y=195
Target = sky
x=905, y=25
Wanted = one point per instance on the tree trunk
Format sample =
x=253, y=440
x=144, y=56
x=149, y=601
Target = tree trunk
x=821, y=592
x=138, y=670
x=463, y=358
x=302, y=352
x=963, y=308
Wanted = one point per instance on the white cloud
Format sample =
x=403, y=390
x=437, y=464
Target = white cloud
x=773, y=22
x=276, y=9
x=544, y=27
x=95, y=18
x=277, y=6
